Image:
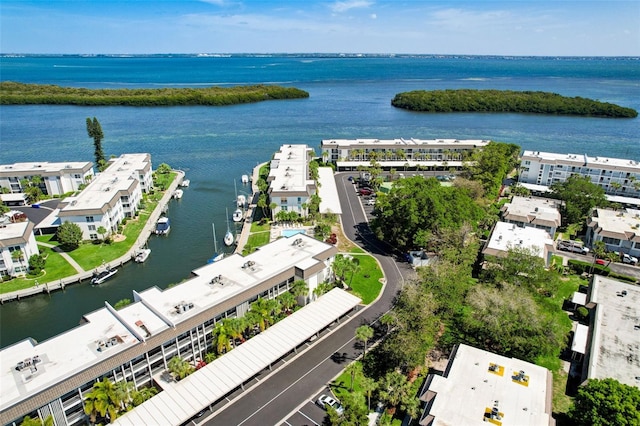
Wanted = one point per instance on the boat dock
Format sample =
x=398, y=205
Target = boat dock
x=83, y=275
x=252, y=205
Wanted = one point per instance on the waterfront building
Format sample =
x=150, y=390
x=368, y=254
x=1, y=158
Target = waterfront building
x=400, y=154
x=506, y=236
x=618, y=177
x=55, y=178
x=610, y=343
x=618, y=229
x=16, y=237
x=539, y=213
x=290, y=183
x=111, y=196
x=136, y=342
x=479, y=387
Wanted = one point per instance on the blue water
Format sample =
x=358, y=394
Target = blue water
x=349, y=98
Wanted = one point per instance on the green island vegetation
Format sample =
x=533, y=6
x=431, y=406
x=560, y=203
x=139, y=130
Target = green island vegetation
x=14, y=93
x=470, y=100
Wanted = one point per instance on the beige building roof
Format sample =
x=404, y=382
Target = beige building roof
x=620, y=224
x=507, y=235
x=535, y=211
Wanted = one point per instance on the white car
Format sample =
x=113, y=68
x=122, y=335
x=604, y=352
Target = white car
x=326, y=401
x=370, y=202
x=626, y=258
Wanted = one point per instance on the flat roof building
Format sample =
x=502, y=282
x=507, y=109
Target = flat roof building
x=56, y=178
x=613, y=350
x=506, y=236
x=479, y=387
x=136, y=342
x=618, y=229
x=434, y=154
x=539, y=213
x=16, y=237
x=617, y=176
x=290, y=183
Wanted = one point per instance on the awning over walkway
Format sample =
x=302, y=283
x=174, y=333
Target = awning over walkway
x=182, y=400
x=579, y=299
x=328, y=192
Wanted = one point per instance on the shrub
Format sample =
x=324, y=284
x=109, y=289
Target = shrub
x=582, y=312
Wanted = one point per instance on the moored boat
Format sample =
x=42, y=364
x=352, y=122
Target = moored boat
x=177, y=194
x=163, y=226
x=141, y=255
x=185, y=183
x=228, y=236
x=216, y=256
x=238, y=215
x=103, y=276
x=245, y=179
x=241, y=201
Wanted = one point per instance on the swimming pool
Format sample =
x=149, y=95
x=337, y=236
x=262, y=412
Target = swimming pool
x=291, y=232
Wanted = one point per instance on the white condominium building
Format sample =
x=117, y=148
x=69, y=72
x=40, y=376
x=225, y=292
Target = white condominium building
x=55, y=178
x=540, y=213
x=433, y=154
x=135, y=343
x=112, y=195
x=618, y=229
x=16, y=237
x=290, y=183
x=615, y=175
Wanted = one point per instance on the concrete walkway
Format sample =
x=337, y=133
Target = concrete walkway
x=253, y=201
x=84, y=275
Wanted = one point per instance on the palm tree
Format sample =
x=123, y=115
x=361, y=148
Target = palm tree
x=141, y=395
x=102, y=400
x=299, y=288
x=124, y=389
x=28, y=421
x=393, y=388
x=221, y=333
x=368, y=385
x=180, y=367
x=287, y=301
x=364, y=333
x=353, y=369
x=264, y=308
x=236, y=328
x=388, y=320
x=209, y=357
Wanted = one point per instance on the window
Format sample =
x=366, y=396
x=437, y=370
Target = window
x=283, y=200
x=89, y=218
x=77, y=176
x=93, y=236
x=611, y=241
x=92, y=227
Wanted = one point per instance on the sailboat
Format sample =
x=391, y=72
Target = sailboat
x=216, y=256
x=238, y=214
x=228, y=237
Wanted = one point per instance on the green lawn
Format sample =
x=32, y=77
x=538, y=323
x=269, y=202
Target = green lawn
x=56, y=268
x=366, y=282
x=256, y=227
x=256, y=240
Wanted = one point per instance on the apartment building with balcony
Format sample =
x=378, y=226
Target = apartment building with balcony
x=290, y=183
x=618, y=229
x=400, y=154
x=135, y=343
x=16, y=237
x=539, y=213
x=55, y=178
x=111, y=196
x=618, y=177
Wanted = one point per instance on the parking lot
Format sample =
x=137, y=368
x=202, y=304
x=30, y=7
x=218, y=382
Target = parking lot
x=309, y=413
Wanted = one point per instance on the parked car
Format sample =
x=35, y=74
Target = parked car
x=365, y=191
x=601, y=262
x=350, y=179
x=572, y=246
x=370, y=202
x=626, y=258
x=326, y=401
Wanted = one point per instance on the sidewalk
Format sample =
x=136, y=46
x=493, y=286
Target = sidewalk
x=84, y=275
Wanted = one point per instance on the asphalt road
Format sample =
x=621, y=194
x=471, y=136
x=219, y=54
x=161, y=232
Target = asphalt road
x=617, y=267
x=286, y=396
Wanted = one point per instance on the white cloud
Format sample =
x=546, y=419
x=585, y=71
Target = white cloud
x=343, y=6
x=373, y=16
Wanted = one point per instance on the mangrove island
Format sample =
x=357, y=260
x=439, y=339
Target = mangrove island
x=14, y=93
x=469, y=100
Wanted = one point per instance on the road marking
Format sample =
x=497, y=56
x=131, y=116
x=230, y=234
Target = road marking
x=312, y=421
x=294, y=383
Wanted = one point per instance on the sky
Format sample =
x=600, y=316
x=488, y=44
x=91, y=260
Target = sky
x=517, y=27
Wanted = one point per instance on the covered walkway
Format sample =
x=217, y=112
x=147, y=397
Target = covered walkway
x=182, y=400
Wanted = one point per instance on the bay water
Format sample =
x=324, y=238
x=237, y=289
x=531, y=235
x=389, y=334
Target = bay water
x=350, y=97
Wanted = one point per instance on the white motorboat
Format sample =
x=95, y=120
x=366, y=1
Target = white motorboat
x=103, y=276
x=238, y=215
x=242, y=201
x=185, y=183
x=177, y=194
x=142, y=255
x=163, y=226
x=245, y=179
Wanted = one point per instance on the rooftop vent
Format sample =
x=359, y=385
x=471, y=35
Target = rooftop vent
x=143, y=327
x=297, y=242
x=216, y=279
x=249, y=264
x=29, y=363
x=183, y=307
x=106, y=344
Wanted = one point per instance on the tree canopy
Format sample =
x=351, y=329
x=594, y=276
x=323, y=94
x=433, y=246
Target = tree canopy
x=416, y=206
x=606, y=402
x=580, y=195
x=69, y=235
x=470, y=100
x=94, y=130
